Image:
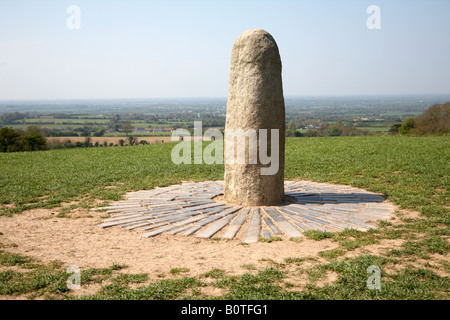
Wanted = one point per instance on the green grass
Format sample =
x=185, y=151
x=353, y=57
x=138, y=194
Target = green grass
x=46, y=179
x=175, y=271
x=413, y=172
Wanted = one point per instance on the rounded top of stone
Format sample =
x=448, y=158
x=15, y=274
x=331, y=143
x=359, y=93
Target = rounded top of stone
x=254, y=35
x=254, y=31
x=255, y=45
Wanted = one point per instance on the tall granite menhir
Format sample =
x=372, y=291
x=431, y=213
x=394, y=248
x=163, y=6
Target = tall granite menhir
x=255, y=101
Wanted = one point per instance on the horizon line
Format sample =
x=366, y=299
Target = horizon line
x=225, y=97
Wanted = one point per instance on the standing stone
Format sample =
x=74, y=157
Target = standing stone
x=255, y=101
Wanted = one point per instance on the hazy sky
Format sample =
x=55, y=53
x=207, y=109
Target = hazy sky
x=150, y=49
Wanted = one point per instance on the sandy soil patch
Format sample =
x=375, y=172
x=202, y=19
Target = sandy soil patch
x=81, y=242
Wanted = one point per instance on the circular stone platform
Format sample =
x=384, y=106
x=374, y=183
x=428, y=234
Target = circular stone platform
x=195, y=209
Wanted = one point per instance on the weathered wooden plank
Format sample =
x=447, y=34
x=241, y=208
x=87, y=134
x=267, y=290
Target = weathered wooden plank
x=302, y=226
x=191, y=220
x=159, y=231
x=116, y=207
x=191, y=230
x=128, y=216
x=162, y=209
x=231, y=232
x=229, y=211
x=266, y=234
x=274, y=214
x=175, y=217
x=138, y=225
x=216, y=186
x=253, y=228
x=124, y=214
x=175, y=231
x=194, y=204
x=272, y=227
x=331, y=226
x=208, y=220
x=291, y=211
x=289, y=229
x=348, y=218
x=283, y=223
x=213, y=228
x=337, y=224
x=154, y=226
x=307, y=209
x=308, y=218
x=236, y=224
x=213, y=209
x=315, y=226
x=127, y=211
x=116, y=223
x=206, y=206
x=240, y=219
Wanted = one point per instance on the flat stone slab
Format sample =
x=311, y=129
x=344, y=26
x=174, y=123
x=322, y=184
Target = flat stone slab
x=195, y=209
x=254, y=227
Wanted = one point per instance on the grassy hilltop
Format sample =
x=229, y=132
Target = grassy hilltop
x=413, y=172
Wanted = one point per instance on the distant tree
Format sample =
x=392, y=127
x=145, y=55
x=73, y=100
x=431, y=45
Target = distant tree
x=114, y=123
x=34, y=141
x=394, y=128
x=127, y=127
x=10, y=140
x=406, y=126
x=334, y=131
x=86, y=132
x=99, y=132
x=132, y=140
x=87, y=142
x=312, y=133
x=291, y=130
x=434, y=120
x=33, y=129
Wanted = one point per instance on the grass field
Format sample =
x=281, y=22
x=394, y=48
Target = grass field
x=413, y=172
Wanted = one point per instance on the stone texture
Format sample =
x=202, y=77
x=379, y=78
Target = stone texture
x=255, y=101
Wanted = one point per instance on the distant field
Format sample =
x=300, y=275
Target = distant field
x=375, y=129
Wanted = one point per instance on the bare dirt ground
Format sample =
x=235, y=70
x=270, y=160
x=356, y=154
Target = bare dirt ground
x=79, y=240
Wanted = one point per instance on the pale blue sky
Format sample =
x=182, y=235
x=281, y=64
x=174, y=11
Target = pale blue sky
x=154, y=49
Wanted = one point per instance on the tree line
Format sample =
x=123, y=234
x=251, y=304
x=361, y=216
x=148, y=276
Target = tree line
x=433, y=121
x=18, y=140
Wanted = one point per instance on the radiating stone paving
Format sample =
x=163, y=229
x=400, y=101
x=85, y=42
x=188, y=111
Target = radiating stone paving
x=194, y=209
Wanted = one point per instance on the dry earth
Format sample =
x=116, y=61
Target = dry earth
x=79, y=240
